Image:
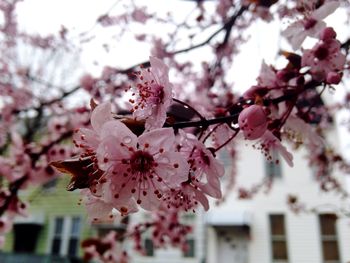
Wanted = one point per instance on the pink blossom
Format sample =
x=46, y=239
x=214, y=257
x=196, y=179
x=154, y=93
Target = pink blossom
x=333, y=77
x=267, y=76
x=106, y=250
x=167, y=229
x=153, y=95
x=100, y=211
x=223, y=7
x=205, y=169
x=323, y=58
x=88, y=139
x=268, y=81
x=269, y=144
x=57, y=125
x=17, y=164
x=5, y=224
x=139, y=15
x=254, y=92
x=309, y=26
x=3, y=136
x=142, y=168
x=17, y=207
x=43, y=172
x=253, y=122
x=187, y=197
x=87, y=82
x=327, y=34
x=203, y=176
x=298, y=129
x=158, y=50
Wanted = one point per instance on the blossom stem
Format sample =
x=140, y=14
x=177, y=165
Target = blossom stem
x=189, y=107
x=227, y=141
x=211, y=131
x=205, y=122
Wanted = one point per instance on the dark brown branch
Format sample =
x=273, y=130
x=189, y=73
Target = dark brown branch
x=50, y=102
x=205, y=122
x=35, y=156
x=226, y=27
x=13, y=187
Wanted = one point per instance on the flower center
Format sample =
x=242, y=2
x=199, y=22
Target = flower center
x=205, y=158
x=141, y=162
x=150, y=93
x=158, y=93
x=321, y=52
x=309, y=23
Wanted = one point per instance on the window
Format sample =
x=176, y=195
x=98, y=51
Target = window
x=50, y=185
x=57, y=236
x=329, y=240
x=273, y=168
x=65, y=236
x=278, y=238
x=26, y=237
x=190, y=253
x=74, y=237
x=149, y=248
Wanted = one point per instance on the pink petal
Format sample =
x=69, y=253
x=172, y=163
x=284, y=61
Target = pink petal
x=120, y=131
x=159, y=70
x=100, y=115
x=325, y=10
x=163, y=138
x=200, y=197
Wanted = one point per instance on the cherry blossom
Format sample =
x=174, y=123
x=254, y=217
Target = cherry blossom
x=168, y=230
x=107, y=249
x=310, y=25
x=272, y=147
x=153, y=94
x=202, y=162
x=188, y=197
x=88, y=139
x=140, y=167
x=100, y=211
x=325, y=59
x=87, y=82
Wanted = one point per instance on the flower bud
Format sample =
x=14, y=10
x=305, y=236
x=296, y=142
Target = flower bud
x=328, y=33
x=333, y=77
x=253, y=122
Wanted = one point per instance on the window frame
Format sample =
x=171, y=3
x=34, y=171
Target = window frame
x=271, y=165
x=273, y=238
x=149, y=239
x=324, y=237
x=66, y=234
x=190, y=254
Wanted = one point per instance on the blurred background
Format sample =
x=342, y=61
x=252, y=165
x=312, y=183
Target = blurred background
x=57, y=55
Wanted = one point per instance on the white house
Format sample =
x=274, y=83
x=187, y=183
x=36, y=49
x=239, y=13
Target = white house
x=264, y=229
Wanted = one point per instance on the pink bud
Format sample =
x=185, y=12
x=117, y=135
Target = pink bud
x=254, y=91
x=328, y=33
x=87, y=82
x=333, y=78
x=253, y=122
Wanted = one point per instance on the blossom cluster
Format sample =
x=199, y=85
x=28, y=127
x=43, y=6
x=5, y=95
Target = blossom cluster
x=155, y=167
x=161, y=165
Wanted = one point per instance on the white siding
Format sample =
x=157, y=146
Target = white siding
x=302, y=230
